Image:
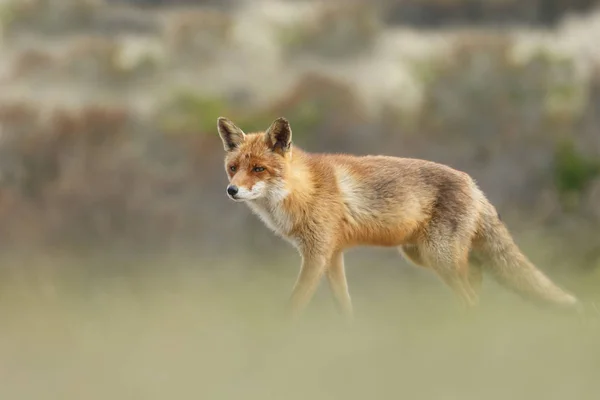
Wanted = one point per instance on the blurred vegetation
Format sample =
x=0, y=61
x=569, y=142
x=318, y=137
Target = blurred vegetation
x=337, y=30
x=443, y=13
x=198, y=36
x=319, y=101
x=189, y=112
x=574, y=172
x=313, y=102
x=47, y=16
x=109, y=140
x=482, y=76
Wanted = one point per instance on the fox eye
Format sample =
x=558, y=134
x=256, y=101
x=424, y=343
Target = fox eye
x=258, y=169
x=233, y=168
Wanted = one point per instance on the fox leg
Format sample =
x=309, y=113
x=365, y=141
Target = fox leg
x=336, y=276
x=413, y=254
x=452, y=265
x=467, y=289
x=475, y=276
x=313, y=267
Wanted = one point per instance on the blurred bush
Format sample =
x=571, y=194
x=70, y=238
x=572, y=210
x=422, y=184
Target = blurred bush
x=92, y=60
x=320, y=106
x=32, y=63
x=574, y=173
x=102, y=61
x=52, y=168
x=441, y=13
x=79, y=179
x=187, y=112
x=484, y=92
x=47, y=16
x=336, y=30
x=198, y=36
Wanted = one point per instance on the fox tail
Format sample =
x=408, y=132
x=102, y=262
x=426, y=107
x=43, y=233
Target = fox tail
x=512, y=269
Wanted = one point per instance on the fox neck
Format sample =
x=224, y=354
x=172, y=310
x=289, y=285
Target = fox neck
x=274, y=209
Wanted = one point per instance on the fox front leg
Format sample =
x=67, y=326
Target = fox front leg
x=313, y=267
x=336, y=276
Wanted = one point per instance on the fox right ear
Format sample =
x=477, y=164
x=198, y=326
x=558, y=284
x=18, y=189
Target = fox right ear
x=231, y=135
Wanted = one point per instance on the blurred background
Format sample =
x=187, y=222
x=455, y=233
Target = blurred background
x=125, y=271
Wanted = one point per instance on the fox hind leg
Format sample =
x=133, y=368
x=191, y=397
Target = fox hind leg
x=475, y=276
x=451, y=263
x=453, y=273
x=412, y=254
x=455, y=270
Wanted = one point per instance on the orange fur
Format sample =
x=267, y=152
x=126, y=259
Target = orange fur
x=327, y=203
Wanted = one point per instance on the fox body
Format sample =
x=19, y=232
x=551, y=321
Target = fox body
x=326, y=203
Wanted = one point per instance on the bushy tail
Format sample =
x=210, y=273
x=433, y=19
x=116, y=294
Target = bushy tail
x=502, y=258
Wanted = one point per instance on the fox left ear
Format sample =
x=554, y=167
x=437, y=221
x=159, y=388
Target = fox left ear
x=279, y=136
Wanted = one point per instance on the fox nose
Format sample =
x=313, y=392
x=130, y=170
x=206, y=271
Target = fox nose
x=232, y=190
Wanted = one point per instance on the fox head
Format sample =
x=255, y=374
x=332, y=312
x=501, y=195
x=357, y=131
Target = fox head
x=255, y=162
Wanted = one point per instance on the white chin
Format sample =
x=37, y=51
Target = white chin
x=242, y=199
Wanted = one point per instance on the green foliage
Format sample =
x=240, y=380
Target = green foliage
x=573, y=171
x=7, y=15
x=188, y=112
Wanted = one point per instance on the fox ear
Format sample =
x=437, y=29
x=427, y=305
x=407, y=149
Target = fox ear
x=279, y=136
x=231, y=135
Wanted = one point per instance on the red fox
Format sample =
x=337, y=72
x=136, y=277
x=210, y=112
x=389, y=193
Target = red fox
x=326, y=203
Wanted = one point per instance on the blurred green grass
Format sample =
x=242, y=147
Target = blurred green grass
x=221, y=335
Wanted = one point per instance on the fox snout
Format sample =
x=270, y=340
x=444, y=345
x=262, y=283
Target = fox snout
x=232, y=190
x=241, y=193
